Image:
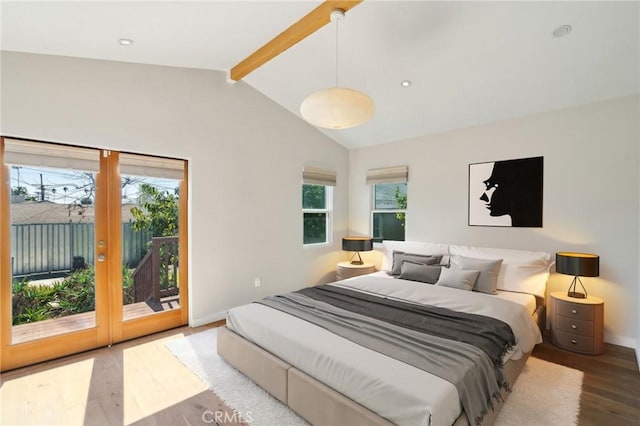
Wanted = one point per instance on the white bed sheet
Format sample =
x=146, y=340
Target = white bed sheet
x=394, y=390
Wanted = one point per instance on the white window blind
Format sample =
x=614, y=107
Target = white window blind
x=142, y=165
x=318, y=176
x=39, y=154
x=399, y=174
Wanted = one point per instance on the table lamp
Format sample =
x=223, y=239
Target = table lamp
x=578, y=265
x=357, y=244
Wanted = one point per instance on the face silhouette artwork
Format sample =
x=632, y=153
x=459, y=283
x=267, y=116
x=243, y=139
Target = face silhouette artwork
x=514, y=188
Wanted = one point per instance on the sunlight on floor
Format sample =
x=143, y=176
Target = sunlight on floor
x=118, y=385
x=50, y=396
x=150, y=377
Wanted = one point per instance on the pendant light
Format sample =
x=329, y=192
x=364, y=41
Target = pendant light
x=337, y=107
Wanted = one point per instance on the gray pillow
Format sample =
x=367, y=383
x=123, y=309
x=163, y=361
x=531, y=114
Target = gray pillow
x=418, y=272
x=464, y=280
x=400, y=256
x=489, y=268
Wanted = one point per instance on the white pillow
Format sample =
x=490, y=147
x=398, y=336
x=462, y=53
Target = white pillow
x=463, y=280
x=521, y=271
x=410, y=247
x=489, y=269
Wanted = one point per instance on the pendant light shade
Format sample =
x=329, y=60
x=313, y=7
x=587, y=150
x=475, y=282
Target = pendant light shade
x=337, y=108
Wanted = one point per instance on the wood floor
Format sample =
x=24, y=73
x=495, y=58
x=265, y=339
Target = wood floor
x=140, y=382
x=611, y=384
x=135, y=382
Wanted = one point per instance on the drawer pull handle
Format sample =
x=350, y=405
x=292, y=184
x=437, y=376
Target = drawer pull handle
x=573, y=311
x=574, y=342
x=574, y=326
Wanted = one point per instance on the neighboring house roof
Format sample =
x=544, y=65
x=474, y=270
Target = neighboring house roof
x=48, y=212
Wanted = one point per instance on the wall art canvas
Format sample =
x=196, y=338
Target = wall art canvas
x=506, y=193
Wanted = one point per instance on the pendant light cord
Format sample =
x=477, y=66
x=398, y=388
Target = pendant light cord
x=337, y=24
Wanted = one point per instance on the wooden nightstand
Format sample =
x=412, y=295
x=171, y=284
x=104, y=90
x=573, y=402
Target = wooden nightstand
x=577, y=324
x=347, y=270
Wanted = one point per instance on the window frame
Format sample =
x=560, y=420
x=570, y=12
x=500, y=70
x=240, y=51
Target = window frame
x=328, y=211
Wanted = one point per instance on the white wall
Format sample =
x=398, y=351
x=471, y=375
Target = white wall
x=591, y=194
x=245, y=156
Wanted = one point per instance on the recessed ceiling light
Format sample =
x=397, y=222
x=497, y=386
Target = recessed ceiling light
x=405, y=83
x=125, y=41
x=562, y=31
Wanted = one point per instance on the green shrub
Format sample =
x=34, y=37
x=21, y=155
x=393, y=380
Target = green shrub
x=128, y=295
x=73, y=294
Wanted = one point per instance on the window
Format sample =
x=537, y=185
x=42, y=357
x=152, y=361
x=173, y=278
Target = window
x=316, y=213
x=317, y=203
x=388, y=202
x=389, y=210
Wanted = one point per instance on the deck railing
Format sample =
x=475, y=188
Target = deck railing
x=157, y=273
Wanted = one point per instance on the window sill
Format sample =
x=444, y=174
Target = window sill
x=316, y=245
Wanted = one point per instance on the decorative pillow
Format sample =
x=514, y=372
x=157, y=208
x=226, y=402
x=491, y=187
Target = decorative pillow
x=521, y=271
x=418, y=272
x=489, y=269
x=388, y=248
x=399, y=257
x=464, y=280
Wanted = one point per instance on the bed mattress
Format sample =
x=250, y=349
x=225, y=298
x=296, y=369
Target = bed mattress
x=394, y=390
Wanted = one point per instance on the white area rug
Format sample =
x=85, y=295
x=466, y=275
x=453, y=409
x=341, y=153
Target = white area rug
x=545, y=394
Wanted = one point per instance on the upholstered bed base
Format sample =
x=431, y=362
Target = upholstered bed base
x=314, y=401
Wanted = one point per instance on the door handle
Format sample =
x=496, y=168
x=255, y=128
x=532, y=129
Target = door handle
x=101, y=257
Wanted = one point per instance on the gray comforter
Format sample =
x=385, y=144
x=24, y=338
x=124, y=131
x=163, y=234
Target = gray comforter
x=464, y=349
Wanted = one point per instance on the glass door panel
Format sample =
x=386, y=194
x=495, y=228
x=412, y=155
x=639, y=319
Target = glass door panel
x=52, y=251
x=150, y=245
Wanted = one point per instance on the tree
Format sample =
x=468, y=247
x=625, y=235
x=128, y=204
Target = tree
x=158, y=212
x=314, y=226
x=313, y=196
x=18, y=190
x=401, y=202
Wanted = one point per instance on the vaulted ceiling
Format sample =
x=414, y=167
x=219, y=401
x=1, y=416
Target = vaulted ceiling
x=468, y=62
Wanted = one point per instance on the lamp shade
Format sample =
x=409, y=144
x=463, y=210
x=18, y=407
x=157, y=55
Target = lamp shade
x=578, y=264
x=337, y=108
x=357, y=244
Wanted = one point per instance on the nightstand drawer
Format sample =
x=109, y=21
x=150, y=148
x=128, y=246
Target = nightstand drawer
x=573, y=342
x=575, y=310
x=574, y=326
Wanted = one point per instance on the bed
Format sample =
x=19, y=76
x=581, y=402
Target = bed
x=329, y=377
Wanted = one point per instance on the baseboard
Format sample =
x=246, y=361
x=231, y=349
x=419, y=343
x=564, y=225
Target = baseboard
x=217, y=316
x=627, y=342
x=638, y=356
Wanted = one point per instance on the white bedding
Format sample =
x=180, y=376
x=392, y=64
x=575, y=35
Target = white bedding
x=394, y=390
x=524, y=299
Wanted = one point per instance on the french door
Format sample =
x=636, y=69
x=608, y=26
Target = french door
x=93, y=248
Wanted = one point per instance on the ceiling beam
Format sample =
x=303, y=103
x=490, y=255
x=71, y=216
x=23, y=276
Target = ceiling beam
x=310, y=23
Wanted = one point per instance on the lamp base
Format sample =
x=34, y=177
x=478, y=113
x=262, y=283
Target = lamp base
x=572, y=289
x=356, y=261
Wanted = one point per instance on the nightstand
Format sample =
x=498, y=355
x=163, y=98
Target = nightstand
x=347, y=270
x=577, y=324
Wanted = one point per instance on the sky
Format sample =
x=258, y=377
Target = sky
x=78, y=184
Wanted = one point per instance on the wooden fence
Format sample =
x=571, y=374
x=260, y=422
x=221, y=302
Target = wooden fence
x=38, y=248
